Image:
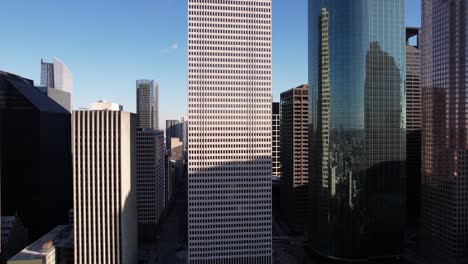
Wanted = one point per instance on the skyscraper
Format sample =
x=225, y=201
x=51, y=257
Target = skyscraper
x=104, y=187
x=294, y=157
x=444, y=214
x=229, y=165
x=35, y=156
x=57, y=82
x=147, y=104
x=176, y=128
x=413, y=126
x=150, y=175
x=275, y=140
x=357, y=127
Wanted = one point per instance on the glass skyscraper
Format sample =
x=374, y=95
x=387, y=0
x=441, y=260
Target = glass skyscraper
x=357, y=127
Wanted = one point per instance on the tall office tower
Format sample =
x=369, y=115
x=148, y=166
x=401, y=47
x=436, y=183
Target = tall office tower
x=176, y=128
x=444, y=214
x=150, y=173
x=104, y=186
x=35, y=147
x=357, y=127
x=14, y=237
x=147, y=104
x=57, y=82
x=295, y=157
x=275, y=140
x=229, y=164
x=413, y=126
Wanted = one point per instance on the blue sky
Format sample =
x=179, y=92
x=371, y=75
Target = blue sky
x=109, y=44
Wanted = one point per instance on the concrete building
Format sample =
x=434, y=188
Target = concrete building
x=150, y=173
x=104, y=173
x=444, y=214
x=14, y=237
x=357, y=128
x=105, y=105
x=229, y=155
x=147, y=104
x=295, y=205
x=46, y=249
x=57, y=82
x=275, y=140
x=413, y=126
x=35, y=144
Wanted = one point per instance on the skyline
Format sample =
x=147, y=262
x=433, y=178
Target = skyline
x=149, y=38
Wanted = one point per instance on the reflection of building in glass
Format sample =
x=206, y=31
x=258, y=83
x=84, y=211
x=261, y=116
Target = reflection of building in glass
x=294, y=156
x=413, y=126
x=275, y=140
x=229, y=155
x=357, y=127
x=444, y=207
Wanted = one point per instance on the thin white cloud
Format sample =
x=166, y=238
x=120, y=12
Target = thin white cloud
x=173, y=47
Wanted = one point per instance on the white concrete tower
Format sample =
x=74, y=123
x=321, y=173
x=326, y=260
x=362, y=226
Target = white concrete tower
x=229, y=91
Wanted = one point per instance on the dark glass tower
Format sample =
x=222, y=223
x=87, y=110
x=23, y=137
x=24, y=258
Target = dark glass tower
x=357, y=127
x=444, y=214
x=35, y=164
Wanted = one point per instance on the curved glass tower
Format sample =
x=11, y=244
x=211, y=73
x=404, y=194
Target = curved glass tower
x=357, y=127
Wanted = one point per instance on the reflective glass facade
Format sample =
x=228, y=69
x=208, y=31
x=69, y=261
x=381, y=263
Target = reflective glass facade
x=357, y=127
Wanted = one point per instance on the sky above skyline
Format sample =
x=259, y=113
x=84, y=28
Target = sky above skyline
x=108, y=45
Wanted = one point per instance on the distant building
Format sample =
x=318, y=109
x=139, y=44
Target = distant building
x=295, y=157
x=150, y=173
x=105, y=105
x=35, y=147
x=177, y=149
x=413, y=126
x=57, y=82
x=275, y=140
x=55, y=247
x=147, y=104
x=104, y=169
x=176, y=129
x=14, y=237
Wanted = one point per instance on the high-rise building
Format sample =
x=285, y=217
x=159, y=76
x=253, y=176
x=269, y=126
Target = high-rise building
x=104, y=187
x=150, y=173
x=147, y=104
x=275, y=140
x=14, y=237
x=357, y=127
x=444, y=214
x=413, y=125
x=176, y=128
x=57, y=82
x=35, y=162
x=229, y=104
x=294, y=184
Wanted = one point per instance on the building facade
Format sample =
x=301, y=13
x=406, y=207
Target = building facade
x=57, y=82
x=14, y=237
x=357, y=125
x=229, y=160
x=275, y=140
x=295, y=204
x=150, y=173
x=35, y=147
x=147, y=104
x=413, y=126
x=176, y=128
x=105, y=216
x=444, y=214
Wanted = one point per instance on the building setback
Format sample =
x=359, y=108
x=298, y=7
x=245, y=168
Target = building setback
x=275, y=140
x=147, y=104
x=444, y=214
x=229, y=104
x=35, y=159
x=57, y=82
x=413, y=126
x=150, y=173
x=295, y=204
x=104, y=159
x=357, y=139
